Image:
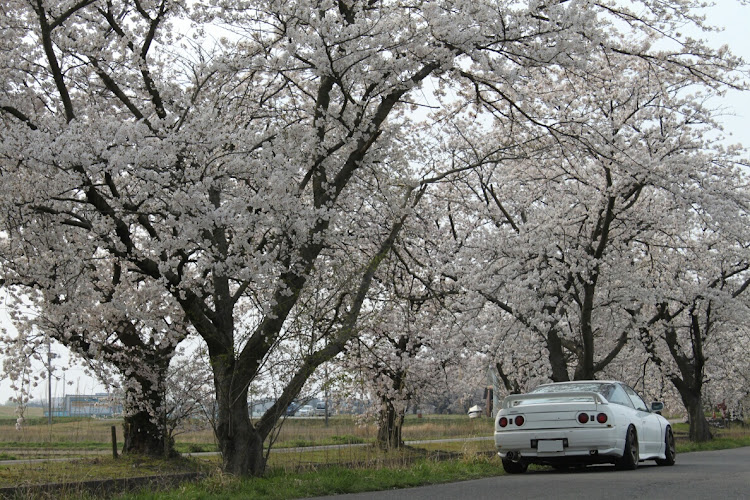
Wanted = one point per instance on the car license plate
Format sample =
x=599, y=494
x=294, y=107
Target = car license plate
x=550, y=445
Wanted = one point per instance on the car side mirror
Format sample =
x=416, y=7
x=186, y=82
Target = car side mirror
x=657, y=407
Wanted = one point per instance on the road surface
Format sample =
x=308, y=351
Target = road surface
x=723, y=474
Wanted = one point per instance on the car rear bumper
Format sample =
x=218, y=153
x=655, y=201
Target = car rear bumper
x=561, y=445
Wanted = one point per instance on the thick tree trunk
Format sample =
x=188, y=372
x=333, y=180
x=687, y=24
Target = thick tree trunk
x=143, y=435
x=699, y=428
x=240, y=444
x=145, y=431
x=690, y=386
x=390, y=425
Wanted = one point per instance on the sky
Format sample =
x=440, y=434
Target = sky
x=736, y=121
x=735, y=19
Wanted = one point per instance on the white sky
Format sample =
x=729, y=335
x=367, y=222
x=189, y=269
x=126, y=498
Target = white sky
x=733, y=17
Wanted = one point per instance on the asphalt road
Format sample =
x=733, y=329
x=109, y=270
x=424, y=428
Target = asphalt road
x=723, y=474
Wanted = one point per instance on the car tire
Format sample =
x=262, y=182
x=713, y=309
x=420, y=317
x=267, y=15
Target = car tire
x=512, y=467
x=629, y=460
x=669, y=449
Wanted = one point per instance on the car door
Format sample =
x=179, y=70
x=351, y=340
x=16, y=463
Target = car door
x=649, y=435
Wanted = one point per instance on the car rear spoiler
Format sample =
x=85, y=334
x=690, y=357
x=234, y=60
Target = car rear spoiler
x=595, y=396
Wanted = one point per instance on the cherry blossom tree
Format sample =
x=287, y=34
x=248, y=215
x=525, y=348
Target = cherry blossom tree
x=241, y=184
x=395, y=348
x=560, y=227
x=229, y=179
x=125, y=349
x=699, y=305
x=188, y=393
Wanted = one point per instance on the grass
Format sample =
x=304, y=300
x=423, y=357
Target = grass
x=8, y=411
x=58, y=445
x=732, y=437
x=36, y=433
x=81, y=434
x=330, y=481
x=73, y=471
x=332, y=440
x=719, y=443
x=290, y=464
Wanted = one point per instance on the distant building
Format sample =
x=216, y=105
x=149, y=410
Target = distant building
x=258, y=408
x=86, y=405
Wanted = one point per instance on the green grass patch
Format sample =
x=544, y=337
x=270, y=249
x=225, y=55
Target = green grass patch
x=330, y=480
x=464, y=447
x=195, y=447
x=297, y=443
x=347, y=439
x=332, y=440
x=718, y=443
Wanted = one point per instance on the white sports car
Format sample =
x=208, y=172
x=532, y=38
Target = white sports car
x=579, y=423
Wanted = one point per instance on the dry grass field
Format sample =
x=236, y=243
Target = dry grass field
x=83, y=436
x=87, y=442
x=10, y=412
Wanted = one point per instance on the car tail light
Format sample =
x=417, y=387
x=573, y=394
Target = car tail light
x=503, y=421
x=519, y=420
x=583, y=418
x=601, y=418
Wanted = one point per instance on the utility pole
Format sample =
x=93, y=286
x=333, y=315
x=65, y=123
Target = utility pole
x=326, y=390
x=49, y=381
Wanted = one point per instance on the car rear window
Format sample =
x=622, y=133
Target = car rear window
x=604, y=389
x=584, y=386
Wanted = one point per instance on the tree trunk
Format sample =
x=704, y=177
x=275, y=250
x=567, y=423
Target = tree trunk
x=144, y=435
x=690, y=386
x=585, y=368
x=699, y=429
x=391, y=420
x=390, y=424
x=145, y=431
x=556, y=357
x=240, y=444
